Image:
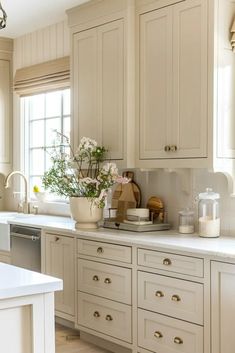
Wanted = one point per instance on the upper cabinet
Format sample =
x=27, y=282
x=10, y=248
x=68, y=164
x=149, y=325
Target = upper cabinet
x=100, y=59
x=173, y=82
x=157, y=75
x=6, y=47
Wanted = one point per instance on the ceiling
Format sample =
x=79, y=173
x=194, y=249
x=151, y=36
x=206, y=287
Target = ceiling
x=25, y=16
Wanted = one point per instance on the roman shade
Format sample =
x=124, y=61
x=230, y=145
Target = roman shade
x=42, y=77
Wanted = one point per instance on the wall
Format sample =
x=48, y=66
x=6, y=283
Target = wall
x=42, y=45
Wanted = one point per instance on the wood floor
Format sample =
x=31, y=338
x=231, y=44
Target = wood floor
x=67, y=341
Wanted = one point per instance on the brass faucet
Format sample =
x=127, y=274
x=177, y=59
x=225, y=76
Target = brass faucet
x=6, y=184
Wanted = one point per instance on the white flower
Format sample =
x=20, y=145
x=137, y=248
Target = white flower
x=87, y=144
x=110, y=168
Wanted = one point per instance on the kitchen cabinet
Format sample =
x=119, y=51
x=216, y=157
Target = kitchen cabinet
x=6, y=48
x=173, y=82
x=100, y=85
x=223, y=304
x=5, y=257
x=60, y=262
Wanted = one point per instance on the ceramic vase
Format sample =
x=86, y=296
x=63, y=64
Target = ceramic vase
x=85, y=212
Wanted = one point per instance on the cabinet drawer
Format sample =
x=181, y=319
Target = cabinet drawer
x=106, y=316
x=104, y=250
x=162, y=334
x=106, y=281
x=171, y=296
x=170, y=262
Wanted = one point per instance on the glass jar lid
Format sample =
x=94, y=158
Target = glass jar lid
x=186, y=212
x=209, y=195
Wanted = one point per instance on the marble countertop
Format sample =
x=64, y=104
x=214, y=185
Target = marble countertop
x=16, y=282
x=170, y=240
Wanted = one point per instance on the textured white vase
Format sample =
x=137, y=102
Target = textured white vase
x=85, y=212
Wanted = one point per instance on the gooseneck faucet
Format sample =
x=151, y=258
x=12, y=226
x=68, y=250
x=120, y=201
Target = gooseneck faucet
x=6, y=184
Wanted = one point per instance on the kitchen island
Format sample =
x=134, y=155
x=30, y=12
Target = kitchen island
x=27, y=310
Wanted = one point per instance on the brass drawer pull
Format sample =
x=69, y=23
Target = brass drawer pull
x=166, y=262
x=175, y=298
x=95, y=278
x=178, y=340
x=159, y=294
x=167, y=148
x=158, y=334
x=100, y=250
x=107, y=281
x=108, y=318
x=96, y=314
x=173, y=148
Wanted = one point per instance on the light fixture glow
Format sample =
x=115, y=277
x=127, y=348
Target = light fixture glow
x=3, y=17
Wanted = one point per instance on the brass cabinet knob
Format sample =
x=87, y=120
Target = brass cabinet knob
x=173, y=148
x=159, y=294
x=100, y=250
x=166, y=262
x=57, y=238
x=178, y=340
x=96, y=314
x=95, y=278
x=108, y=318
x=167, y=148
x=158, y=334
x=175, y=298
x=107, y=281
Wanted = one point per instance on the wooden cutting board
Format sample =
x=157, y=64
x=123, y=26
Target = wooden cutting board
x=126, y=196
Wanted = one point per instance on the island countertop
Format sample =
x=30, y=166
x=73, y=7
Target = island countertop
x=18, y=282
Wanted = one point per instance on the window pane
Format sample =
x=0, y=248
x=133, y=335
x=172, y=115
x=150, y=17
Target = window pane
x=51, y=126
x=48, y=159
x=37, y=162
x=35, y=181
x=66, y=102
x=66, y=127
x=37, y=133
x=36, y=107
x=53, y=104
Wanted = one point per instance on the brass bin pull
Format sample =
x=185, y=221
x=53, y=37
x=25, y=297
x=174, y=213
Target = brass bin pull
x=100, y=250
x=178, y=340
x=108, y=318
x=107, y=281
x=158, y=334
x=175, y=298
x=96, y=314
x=159, y=294
x=167, y=262
x=95, y=278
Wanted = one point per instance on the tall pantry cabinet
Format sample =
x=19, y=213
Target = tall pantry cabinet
x=101, y=73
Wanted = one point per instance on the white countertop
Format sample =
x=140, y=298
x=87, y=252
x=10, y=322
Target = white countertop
x=165, y=240
x=16, y=282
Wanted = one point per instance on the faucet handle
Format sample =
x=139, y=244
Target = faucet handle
x=20, y=207
x=35, y=209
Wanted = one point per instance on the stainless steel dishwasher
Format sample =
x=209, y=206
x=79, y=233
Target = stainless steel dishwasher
x=26, y=247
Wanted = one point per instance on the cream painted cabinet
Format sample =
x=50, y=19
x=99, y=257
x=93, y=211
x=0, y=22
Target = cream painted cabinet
x=223, y=304
x=173, y=82
x=103, y=76
x=60, y=262
x=6, y=48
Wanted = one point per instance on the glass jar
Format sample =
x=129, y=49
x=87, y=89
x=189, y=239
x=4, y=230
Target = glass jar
x=208, y=213
x=186, y=221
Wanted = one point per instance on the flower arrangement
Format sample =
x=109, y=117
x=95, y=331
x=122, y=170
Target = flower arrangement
x=81, y=173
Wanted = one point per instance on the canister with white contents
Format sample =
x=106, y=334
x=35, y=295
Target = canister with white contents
x=208, y=212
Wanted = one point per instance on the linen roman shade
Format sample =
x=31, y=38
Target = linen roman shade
x=42, y=77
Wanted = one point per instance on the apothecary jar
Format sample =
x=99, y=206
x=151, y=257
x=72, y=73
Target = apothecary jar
x=208, y=213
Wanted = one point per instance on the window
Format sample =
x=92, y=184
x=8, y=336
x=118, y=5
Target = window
x=42, y=115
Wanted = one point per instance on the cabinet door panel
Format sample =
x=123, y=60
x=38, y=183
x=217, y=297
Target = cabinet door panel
x=189, y=129
x=85, y=121
x=111, y=86
x=155, y=82
x=60, y=263
x=223, y=304
x=5, y=112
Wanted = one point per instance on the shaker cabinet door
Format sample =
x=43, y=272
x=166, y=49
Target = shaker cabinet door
x=98, y=87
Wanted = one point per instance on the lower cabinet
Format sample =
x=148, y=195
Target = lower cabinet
x=223, y=307
x=60, y=262
x=5, y=257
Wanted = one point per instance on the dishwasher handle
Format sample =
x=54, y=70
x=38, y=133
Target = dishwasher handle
x=26, y=236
